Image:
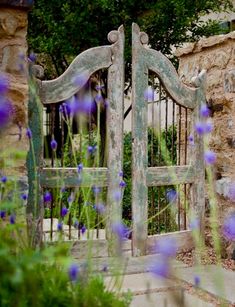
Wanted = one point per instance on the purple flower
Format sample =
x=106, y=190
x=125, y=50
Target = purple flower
x=99, y=87
x=4, y=84
x=231, y=191
x=2, y=214
x=64, y=211
x=83, y=229
x=47, y=197
x=106, y=103
x=24, y=196
x=32, y=57
x=166, y=247
x=96, y=190
x=99, y=98
x=12, y=219
x=171, y=196
x=204, y=111
x=209, y=157
x=122, y=184
x=208, y=127
x=117, y=195
x=194, y=224
x=5, y=112
x=197, y=280
x=100, y=208
x=229, y=227
x=73, y=272
x=149, y=94
x=76, y=224
x=160, y=267
x=70, y=198
x=191, y=139
x=105, y=268
x=200, y=128
x=63, y=189
x=80, y=168
x=121, y=174
x=4, y=179
x=91, y=149
x=53, y=144
x=120, y=230
x=60, y=226
x=28, y=133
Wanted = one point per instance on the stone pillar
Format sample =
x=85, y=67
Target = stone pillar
x=13, y=64
x=216, y=54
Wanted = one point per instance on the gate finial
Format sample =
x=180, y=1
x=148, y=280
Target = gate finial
x=114, y=35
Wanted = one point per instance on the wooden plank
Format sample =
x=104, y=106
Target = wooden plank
x=139, y=146
x=161, y=65
x=69, y=177
x=34, y=209
x=170, y=175
x=196, y=156
x=82, y=67
x=184, y=241
x=114, y=123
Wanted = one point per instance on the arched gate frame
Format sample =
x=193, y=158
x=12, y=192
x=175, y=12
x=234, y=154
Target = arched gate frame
x=62, y=88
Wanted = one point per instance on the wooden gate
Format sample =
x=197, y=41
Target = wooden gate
x=53, y=92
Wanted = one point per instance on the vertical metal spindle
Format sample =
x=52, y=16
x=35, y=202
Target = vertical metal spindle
x=52, y=132
x=179, y=162
x=51, y=221
x=152, y=154
x=173, y=134
x=185, y=162
x=70, y=222
x=62, y=140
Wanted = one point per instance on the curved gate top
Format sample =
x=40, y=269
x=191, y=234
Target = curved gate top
x=111, y=57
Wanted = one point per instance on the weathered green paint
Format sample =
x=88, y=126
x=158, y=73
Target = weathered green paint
x=77, y=74
x=34, y=209
x=69, y=177
x=170, y=175
x=139, y=146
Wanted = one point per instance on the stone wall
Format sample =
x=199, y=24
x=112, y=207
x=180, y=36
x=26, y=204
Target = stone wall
x=217, y=55
x=13, y=64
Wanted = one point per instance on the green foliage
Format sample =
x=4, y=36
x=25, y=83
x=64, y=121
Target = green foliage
x=63, y=29
x=40, y=278
x=156, y=157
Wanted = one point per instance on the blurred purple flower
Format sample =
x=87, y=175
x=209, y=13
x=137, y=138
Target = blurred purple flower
x=24, y=196
x=229, y=227
x=149, y=94
x=194, y=224
x=12, y=219
x=53, y=144
x=166, y=247
x=4, y=179
x=231, y=191
x=99, y=98
x=60, y=226
x=197, y=280
x=63, y=189
x=117, y=195
x=171, y=196
x=4, y=84
x=5, y=112
x=28, y=133
x=76, y=224
x=83, y=229
x=105, y=268
x=209, y=157
x=91, y=149
x=200, y=128
x=208, y=127
x=122, y=184
x=191, y=139
x=32, y=57
x=96, y=190
x=160, y=267
x=70, y=198
x=64, y=211
x=99, y=87
x=204, y=111
x=73, y=272
x=2, y=214
x=47, y=197
x=106, y=103
x=120, y=230
x=100, y=208
x=80, y=168
x=121, y=174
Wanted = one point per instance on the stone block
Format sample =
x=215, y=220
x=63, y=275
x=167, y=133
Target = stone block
x=229, y=81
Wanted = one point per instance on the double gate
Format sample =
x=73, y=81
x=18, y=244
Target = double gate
x=190, y=175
